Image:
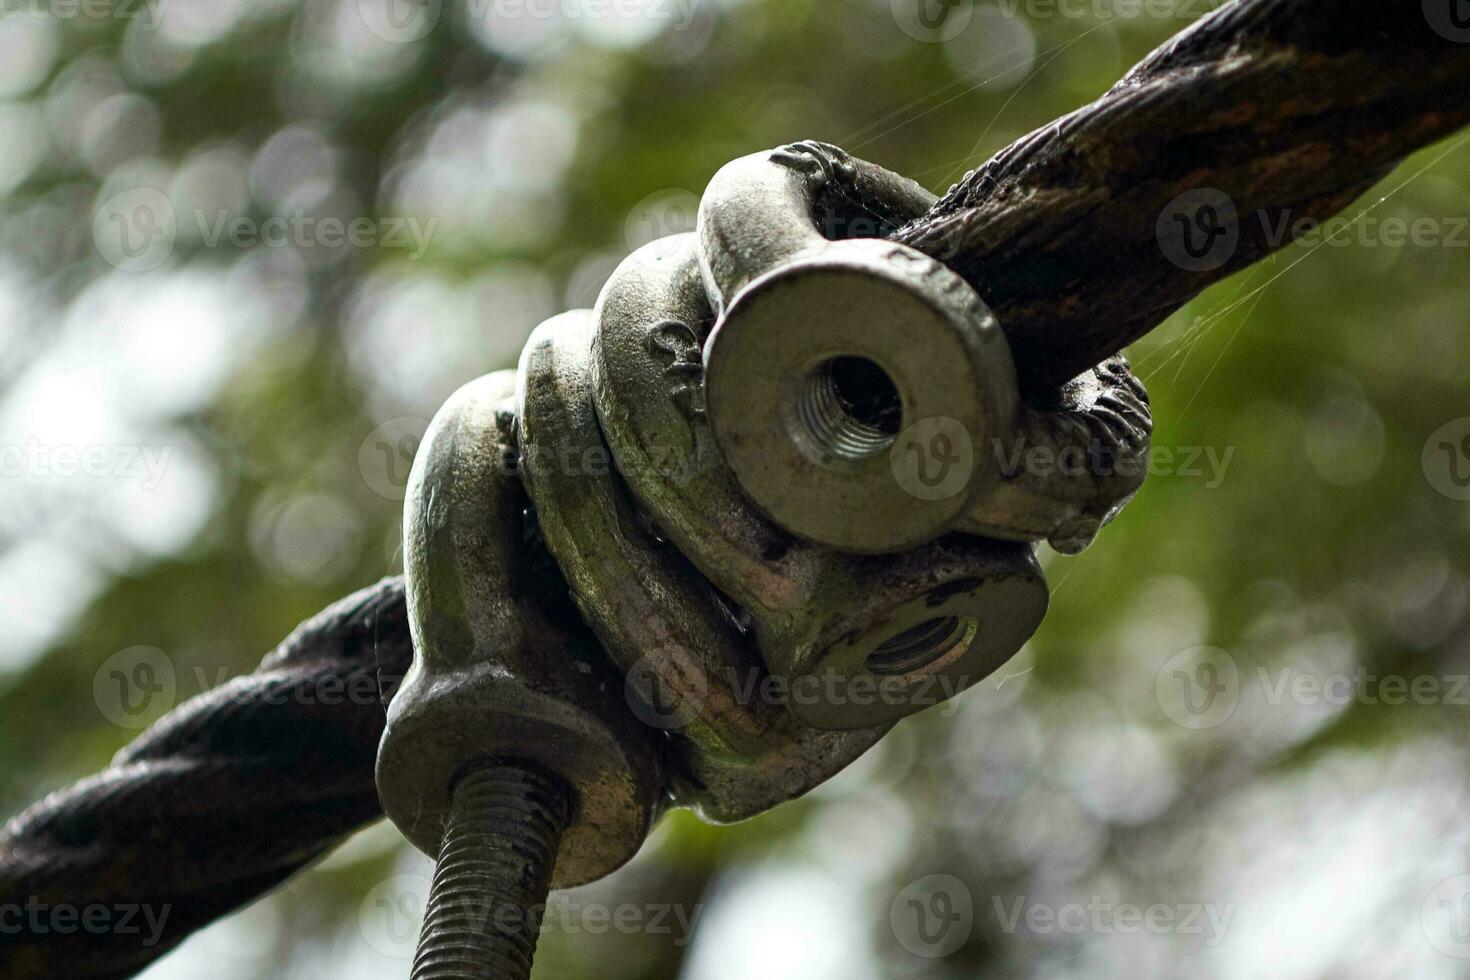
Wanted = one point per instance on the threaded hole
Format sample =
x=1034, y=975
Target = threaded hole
x=921, y=645
x=850, y=407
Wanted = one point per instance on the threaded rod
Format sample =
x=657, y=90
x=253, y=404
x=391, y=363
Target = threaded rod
x=505, y=824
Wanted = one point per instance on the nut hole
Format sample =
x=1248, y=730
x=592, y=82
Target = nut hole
x=850, y=407
x=921, y=645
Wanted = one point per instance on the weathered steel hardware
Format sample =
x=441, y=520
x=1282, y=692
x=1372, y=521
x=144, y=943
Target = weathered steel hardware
x=692, y=669
x=849, y=378
x=492, y=678
x=858, y=640
x=727, y=459
x=1056, y=229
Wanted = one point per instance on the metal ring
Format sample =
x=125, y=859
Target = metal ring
x=863, y=395
x=691, y=670
x=828, y=622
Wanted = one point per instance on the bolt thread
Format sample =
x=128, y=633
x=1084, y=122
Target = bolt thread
x=505, y=824
x=839, y=425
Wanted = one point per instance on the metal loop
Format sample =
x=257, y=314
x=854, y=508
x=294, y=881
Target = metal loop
x=864, y=396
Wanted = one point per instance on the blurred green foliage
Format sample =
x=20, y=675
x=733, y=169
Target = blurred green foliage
x=1296, y=521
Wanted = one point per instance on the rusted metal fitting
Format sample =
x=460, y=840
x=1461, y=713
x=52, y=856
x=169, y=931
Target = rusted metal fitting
x=864, y=396
x=691, y=669
x=856, y=640
x=492, y=678
x=731, y=461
